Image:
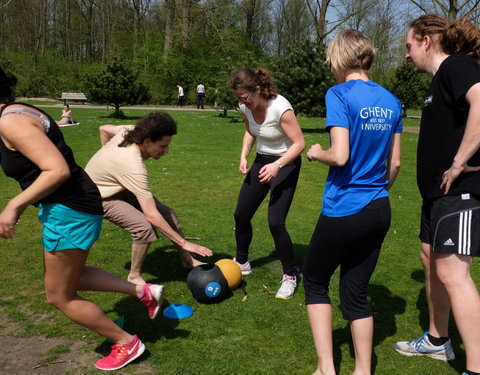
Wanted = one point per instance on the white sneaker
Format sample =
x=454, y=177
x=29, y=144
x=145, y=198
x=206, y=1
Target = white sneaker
x=423, y=346
x=245, y=267
x=289, y=283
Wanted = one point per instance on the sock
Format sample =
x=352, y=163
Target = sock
x=437, y=341
x=241, y=260
x=468, y=372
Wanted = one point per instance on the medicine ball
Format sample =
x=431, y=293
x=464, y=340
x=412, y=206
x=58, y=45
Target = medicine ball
x=231, y=271
x=207, y=283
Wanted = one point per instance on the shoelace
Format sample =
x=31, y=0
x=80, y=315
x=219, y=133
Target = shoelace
x=418, y=342
x=118, y=351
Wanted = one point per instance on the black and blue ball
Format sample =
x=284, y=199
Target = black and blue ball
x=208, y=284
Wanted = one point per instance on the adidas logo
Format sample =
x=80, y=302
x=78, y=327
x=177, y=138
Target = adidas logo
x=449, y=242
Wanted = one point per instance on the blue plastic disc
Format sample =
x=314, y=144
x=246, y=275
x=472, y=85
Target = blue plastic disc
x=178, y=310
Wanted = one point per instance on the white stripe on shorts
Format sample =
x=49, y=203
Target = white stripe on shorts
x=464, y=232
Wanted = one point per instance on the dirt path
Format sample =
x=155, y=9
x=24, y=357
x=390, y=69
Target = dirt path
x=26, y=355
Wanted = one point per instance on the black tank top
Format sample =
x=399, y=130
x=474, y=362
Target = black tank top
x=79, y=192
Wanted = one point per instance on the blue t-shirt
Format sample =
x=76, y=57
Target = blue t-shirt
x=372, y=115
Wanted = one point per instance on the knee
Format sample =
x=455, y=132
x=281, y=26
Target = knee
x=316, y=291
x=354, y=302
x=276, y=225
x=144, y=234
x=172, y=219
x=240, y=217
x=425, y=255
x=449, y=278
x=55, y=299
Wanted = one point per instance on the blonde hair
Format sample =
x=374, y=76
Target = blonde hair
x=249, y=79
x=459, y=36
x=350, y=49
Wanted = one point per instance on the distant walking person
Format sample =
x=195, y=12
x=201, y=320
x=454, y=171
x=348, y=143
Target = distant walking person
x=201, y=94
x=180, y=96
x=271, y=123
x=33, y=152
x=364, y=123
x=448, y=178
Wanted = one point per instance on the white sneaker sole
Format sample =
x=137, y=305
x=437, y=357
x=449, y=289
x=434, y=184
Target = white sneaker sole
x=416, y=354
x=157, y=291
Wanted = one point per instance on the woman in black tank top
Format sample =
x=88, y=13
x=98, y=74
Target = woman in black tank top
x=33, y=152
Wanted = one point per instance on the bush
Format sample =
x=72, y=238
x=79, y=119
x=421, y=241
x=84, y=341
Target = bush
x=303, y=78
x=117, y=85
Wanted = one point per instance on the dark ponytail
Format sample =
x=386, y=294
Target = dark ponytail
x=7, y=81
x=249, y=79
x=153, y=126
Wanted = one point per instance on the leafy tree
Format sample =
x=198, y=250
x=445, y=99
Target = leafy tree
x=409, y=86
x=117, y=85
x=303, y=78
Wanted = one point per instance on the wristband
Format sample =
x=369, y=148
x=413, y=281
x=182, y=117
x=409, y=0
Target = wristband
x=280, y=165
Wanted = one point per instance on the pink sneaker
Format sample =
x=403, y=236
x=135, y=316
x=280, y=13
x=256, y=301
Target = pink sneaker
x=121, y=355
x=152, y=298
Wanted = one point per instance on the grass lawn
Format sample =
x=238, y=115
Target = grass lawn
x=251, y=332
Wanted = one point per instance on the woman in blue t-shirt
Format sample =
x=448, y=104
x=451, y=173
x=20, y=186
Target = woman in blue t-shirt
x=364, y=125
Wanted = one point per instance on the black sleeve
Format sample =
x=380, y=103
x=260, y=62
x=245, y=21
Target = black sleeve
x=460, y=73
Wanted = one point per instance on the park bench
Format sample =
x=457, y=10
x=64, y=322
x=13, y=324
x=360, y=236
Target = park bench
x=73, y=96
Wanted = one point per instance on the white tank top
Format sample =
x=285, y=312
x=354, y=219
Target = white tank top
x=271, y=139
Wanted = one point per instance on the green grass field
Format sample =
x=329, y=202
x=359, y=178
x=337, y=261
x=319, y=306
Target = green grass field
x=251, y=332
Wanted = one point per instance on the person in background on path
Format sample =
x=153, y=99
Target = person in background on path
x=180, y=96
x=119, y=171
x=448, y=178
x=201, y=94
x=364, y=123
x=33, y=152
x=271, y=123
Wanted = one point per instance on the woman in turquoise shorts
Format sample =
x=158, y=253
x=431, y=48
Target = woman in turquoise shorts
x=33, y=152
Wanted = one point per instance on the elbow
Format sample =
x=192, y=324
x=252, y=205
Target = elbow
x=149, y=218
x=63, y=174
x=301, y=146
x=340, y=161
x=395, y=166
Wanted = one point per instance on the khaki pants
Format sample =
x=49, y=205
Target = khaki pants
x=123, y=210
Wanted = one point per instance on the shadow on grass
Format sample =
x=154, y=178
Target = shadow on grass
x=313, y=130
x=299, y=252
x=423, y=318
x=138, y=322
x=133, y=118
x=384, y=306
x=164, y=263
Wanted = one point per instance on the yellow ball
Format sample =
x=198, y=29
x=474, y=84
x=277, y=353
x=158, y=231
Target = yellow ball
x=231, y=271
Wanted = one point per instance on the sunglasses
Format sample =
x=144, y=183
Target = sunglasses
x=245, y=98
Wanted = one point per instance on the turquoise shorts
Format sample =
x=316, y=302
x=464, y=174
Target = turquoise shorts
x=65, y=228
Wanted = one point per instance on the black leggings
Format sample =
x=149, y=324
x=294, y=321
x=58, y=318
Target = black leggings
x=353, y=243
x=252, y=195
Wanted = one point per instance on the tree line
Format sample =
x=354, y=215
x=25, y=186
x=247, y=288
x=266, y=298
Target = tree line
x=53, y=46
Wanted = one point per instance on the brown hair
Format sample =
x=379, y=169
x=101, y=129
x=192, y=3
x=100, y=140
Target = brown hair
x=459, y=36
x=249, y=79
x=153, y=126
x=350, y=49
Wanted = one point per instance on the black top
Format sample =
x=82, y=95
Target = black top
x=444, y=118
x=78, y=192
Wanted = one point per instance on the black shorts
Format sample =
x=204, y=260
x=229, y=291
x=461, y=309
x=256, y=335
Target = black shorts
x=451, y=224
